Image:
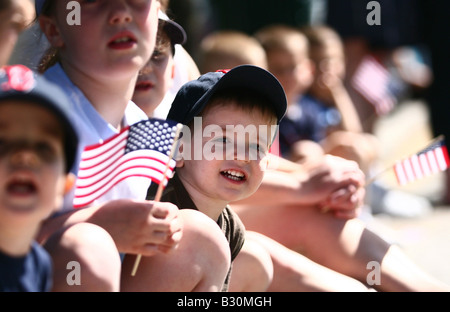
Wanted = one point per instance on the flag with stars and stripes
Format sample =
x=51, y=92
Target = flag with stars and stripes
x=371, y=80
x=140, y=150
x=432, y=159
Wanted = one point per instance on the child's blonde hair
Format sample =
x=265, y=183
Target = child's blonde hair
x=279, y=37
x=228, y=49
x=320, y=36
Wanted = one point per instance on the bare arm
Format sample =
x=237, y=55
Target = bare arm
x=338, y=94
x=332, y=183
x=138, y=227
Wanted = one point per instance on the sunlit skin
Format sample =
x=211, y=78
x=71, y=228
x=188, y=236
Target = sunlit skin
x=104, y=54
x=116, y=35
x=212, y=184
x=32, y=170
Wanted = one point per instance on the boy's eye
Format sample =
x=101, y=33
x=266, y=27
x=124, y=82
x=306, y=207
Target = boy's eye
x=45, y=150
x=260, y=149
x=157, y=55
x=222, y=140
x=254, y=146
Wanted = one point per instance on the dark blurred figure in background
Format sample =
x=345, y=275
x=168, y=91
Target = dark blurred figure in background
x=409, y=48
x=200, y=17
x=395, y=47
x=437, y=25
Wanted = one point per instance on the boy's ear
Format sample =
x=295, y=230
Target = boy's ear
x=70, y=182
x=180, y=163
x=51, y=31
x=173, y=71
x=179, y=157
x=265, y=162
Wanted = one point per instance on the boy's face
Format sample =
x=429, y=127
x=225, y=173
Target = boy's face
x=12, y=22
x=155, y=79
x=292, y=67
x=32, y=163
x=240, y=159
x=330, y=59
x=115, y=37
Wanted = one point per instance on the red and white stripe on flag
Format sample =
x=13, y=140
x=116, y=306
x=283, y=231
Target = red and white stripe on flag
x=140, y=150
x=371, y=80
x=425, y=163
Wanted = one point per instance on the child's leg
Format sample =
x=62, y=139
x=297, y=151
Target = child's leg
x=294, y=272
x=199, y=263
x=345, y=246
x=85, y=258
x=252, y=269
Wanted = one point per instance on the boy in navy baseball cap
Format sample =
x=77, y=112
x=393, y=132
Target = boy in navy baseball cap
x=195, y=95
x=39, y=5
x=38, y=144
x=224, y=156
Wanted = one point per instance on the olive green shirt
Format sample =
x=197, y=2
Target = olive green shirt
x=228, y=221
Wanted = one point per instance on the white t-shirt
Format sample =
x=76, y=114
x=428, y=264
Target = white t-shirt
x=179, y=79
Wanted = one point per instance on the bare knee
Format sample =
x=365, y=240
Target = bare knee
x=213, y=258
x=199, y=263
x=85, y=259
x=252, y=268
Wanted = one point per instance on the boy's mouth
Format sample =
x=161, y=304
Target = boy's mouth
x=124, y=40
x=21, y=187
x=233, y=175
x=143, y=86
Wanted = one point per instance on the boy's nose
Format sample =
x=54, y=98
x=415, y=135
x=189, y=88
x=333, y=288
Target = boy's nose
x=120, y=12
x=24, y=158
x=241, y=153
x=147, y=70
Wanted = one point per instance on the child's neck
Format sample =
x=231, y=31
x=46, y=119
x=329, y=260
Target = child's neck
x=210, y=207
x=16, y=241
x=109, y=97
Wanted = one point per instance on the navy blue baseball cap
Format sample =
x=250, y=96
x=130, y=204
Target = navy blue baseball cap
x=193, y=96
x=176, y=33
x=39, y=4
x=18, y=82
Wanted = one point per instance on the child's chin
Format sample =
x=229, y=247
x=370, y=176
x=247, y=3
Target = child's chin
x=23, y=205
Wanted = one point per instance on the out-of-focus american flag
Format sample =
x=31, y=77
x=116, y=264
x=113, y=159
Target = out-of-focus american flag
x=142, y=149
x=371, y=80
x=432, y=159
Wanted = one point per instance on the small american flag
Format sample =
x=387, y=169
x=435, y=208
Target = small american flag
x=428, y=161
x=142, y=149
x=371, y=80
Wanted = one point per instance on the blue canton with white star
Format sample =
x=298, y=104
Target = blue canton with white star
x=152, y=134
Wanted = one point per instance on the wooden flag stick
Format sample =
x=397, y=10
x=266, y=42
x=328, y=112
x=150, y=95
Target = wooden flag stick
x=376, y=176
x=161, y=186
